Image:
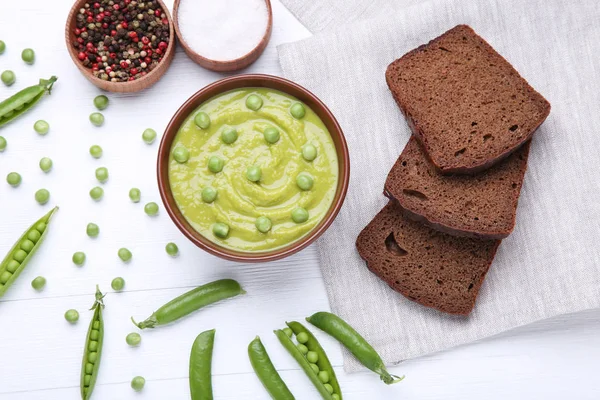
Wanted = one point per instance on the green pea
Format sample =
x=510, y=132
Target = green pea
x=46, y=164
x=135, y=195
x=312, y=357
x=271, y=135
x=172, y=249
x=34, y=236
x=254, y=173
x=97, y=119
x=101, y=102
x=2, y=46
x=79, y=258
x=334, y=396
x=72, y=316
x=94, y=334
x=28, y=55
x=102, y=174
x=124, y=254
x=309, y=152
x=220, y=230
x=229, y=135
x=12, y=266
x=303, y=349
x=133, y=339
x=263, y=224
x=41, y=227
x=3, y=144
x=151, y=209
x=215, y=164
x=324, y=376
x=299, y=215
x=97, y=193
x=93, y=345
x=92, y=230
x=202, y=120
x=288, y=332
x=27, y=245
x=89, y=368
x=96, y=151
x=304, y=181
x=96, y=325
x=93, y=357
x=209, y=194
x=181, y=154
x=19, y=255
x=8, y=77
x=38, y=283
x=149, y=136
x=41, y=127
x=4, y=277
x=328, y=387
x=315, y=368
x=13, y=179
x=302, y=337
x=254, y=102
x=298, y=111
x=42, y=196
x=117, y=284
x=138, y=383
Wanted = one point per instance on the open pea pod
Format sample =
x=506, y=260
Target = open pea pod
x=92, y=351
x=24, y=100
x=323, y=361
x=19, y=255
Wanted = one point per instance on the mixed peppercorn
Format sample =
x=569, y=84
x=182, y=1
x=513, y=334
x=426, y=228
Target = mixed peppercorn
x=121, y=40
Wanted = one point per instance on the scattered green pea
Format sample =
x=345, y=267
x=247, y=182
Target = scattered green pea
x=72, y=316
x=97, y=119
x=2, y=46
x=96, y=151
x=13, y=179
x=309, y=152
x=271, y=135
x=181, y=154
x=215, y=164
x=209, y=194
x=3, y=144
x=300, y=215
x=254, y=173
x=138, y=383
x=42, y=196
x=41, y=127
x=328, y=387
x=172, y=249
x=149, y=136
x=220, y=230
x=304, y=181
x=324, y=376
x=254, y=102
x=97, y=193
x=118, y=283
x=124, y=254
x=101, y=102
x=229, y=135
x=8, y=77
x=302, y=337
x=28, y=55
x=102, y=174
x=151, y=209
x=288, y=332
x=46, y=164
x=263, y=224
x=135, y=195
x=303, y=349
x=133, y=339
x=315, y=368
x=79, y=258
x=202, y=120
x=298, y=111
x=38, y=283
x=92, y=230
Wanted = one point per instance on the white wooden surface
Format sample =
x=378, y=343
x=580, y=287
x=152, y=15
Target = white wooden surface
x=40, y=352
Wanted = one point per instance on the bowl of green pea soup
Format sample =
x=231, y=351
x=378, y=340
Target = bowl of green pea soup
x=253, y=168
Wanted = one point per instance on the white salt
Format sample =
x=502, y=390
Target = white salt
x=222, y=30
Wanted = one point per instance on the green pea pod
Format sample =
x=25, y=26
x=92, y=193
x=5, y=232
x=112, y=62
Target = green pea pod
x=17, y=258
x=266, y=372
x=323, y=361
x=201, y=366
x=93, y=348
x=353, y=341
x=24, y=100
x=192, y=301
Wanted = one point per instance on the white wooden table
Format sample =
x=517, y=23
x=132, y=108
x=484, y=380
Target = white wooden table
x=40, y=353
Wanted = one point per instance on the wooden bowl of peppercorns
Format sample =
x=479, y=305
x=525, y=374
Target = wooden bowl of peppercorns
x=121, y=45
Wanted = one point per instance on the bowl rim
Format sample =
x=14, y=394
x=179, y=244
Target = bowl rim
x=246, y=81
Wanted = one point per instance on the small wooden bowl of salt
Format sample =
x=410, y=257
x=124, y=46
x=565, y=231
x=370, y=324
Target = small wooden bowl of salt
x=223, y=35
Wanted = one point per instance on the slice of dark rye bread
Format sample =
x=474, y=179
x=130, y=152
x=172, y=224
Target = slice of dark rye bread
x=427, y=266
x=481, y=206
x=465, y=103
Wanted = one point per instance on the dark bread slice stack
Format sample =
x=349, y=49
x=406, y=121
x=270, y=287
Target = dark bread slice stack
x=464, y=102
x=429, y=267
x=482, y=205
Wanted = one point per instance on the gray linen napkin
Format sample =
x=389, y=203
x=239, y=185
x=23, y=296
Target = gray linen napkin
x=550, y=265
